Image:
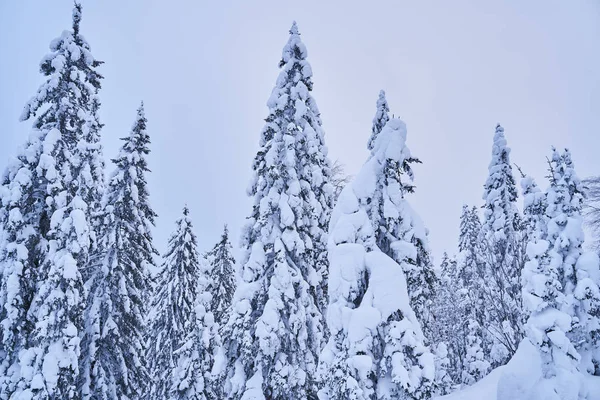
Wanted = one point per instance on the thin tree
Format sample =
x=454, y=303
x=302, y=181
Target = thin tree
x=500, y=235
x=113, y=344
x=222, y=278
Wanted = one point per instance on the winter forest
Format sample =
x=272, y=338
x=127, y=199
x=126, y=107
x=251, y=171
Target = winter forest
x=334, y=292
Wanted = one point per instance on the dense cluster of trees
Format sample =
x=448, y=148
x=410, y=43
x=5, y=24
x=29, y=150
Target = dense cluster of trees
x=335, y=296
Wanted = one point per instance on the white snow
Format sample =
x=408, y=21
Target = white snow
x=522, y=379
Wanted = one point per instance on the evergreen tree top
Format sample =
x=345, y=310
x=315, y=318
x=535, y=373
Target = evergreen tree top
x=294, y=29
x=293, y=60
x=380, y=119
x=72, y=81
x=127, y=184
x=136, y=144
x=500, y=193
x=566, y=191
x=76, y=17
x=183, y=233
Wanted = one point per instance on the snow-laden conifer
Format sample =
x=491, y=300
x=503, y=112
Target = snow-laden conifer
x=184, y=336
x=443, y=383
x=376, y=349
x=395, y=224
x=502, y=255
x=559, y=282
x=468, y=283
x=276, y=329
x=49, y=194
x=470, y=268
x=173, y=319
x=475, y=365
x=222, y=278
x=381, y=118
x=113, y=363
x=447, y=309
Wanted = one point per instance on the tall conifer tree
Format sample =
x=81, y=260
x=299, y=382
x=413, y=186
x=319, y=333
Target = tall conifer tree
x=49, y=196
x=222, y=278
x=183, y=333
x=559, y=293
x=276, y=330
x=113, y=347
x=395, y=223
x=376, y=349
x=500, y=233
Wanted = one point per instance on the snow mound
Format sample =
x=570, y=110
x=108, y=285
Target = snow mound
x=522, y=379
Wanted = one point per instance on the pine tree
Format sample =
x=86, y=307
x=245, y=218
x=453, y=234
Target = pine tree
x=381, y=118
x=276, y=329
x=443, y=379
x=556, y=275
x=475, y=366
x=196, y=375
x=503, y=262
x=174, y=319
x=447, y=310
x=470, y=268
x=395, y=223
x=565, y=204
x=469, y=282
x=184, y=336
x=48, y=198
x=222, y=278
x=113, y=346
x=376, y=349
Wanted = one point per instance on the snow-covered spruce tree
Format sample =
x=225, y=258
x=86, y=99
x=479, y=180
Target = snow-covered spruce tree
x=294, y=85
x=182, y=351
x=276, y=329
x=592, y=209
x=470, y=268
x=500, y=236
x=475, y=366
x=198, y=371
x=395, y=223
x=557, y=284
x=583, y=270
x=443, y=379
x=172, y=315
x=113, y=347
x=381, y=118
x=46, y=219
x=376, y=349
x=446, y=331
x=465, y=282
x=222, y=278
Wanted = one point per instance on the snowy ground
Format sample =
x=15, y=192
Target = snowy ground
x=515, y=381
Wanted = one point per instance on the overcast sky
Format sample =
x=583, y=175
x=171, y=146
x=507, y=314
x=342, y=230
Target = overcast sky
x=451, y=70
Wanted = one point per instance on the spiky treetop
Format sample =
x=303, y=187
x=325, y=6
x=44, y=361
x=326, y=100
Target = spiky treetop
x=500, y=193
x=222, y=278
x=381, y=118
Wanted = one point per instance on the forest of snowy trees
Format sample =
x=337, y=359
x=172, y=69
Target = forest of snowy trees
x=335, y=294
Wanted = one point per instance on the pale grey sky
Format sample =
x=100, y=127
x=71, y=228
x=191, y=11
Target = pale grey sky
x=451, y=71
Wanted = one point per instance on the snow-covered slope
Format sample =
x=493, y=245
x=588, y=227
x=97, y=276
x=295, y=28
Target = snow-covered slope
x=519, y=380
